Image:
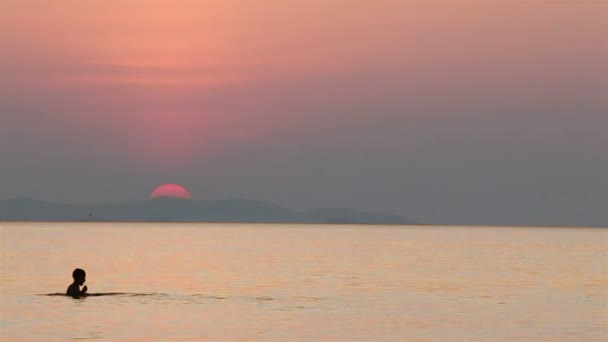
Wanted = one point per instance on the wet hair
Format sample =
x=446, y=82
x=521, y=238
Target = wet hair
x=78, y=273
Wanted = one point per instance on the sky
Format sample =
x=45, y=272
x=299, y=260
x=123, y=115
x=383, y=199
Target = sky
x=445, y=112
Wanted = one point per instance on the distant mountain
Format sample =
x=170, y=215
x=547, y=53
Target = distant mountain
x=178, y=210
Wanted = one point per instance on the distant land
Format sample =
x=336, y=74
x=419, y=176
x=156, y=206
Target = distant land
x=178, y=210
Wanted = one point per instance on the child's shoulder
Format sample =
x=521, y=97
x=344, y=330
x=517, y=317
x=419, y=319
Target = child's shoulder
x=73, y=289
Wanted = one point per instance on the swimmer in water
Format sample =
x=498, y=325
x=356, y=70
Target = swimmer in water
x=74, y=290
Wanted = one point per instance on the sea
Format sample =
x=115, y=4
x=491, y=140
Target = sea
x=236, y=282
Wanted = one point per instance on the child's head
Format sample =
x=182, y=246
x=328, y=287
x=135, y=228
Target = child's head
x=79, y=276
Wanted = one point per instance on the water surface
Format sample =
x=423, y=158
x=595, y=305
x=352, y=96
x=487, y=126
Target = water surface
x=304, y=282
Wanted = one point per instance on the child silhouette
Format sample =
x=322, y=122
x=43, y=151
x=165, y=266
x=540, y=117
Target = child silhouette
x=74, y=291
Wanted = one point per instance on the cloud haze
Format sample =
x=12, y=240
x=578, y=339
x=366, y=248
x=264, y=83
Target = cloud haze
x=464, y=112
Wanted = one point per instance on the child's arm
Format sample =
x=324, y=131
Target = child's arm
x=84, y=291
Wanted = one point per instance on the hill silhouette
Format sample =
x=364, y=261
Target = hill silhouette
x=178, y=210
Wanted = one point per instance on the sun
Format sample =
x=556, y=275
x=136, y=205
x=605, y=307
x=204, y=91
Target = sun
x=170, y=190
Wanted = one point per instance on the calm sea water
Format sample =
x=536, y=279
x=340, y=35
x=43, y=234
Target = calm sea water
x=304, y=282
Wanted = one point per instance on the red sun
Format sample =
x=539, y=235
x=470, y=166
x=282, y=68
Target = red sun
x=170, y=190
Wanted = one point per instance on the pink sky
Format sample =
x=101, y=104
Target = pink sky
x=167, y=85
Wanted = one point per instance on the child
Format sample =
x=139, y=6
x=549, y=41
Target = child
x=74, y=291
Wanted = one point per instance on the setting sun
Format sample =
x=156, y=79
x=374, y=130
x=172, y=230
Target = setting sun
x=171, y=190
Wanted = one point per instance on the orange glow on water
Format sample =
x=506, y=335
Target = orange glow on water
x=198, y=282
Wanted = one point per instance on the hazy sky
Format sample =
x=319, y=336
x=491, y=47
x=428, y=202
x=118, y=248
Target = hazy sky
x=451, y=111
